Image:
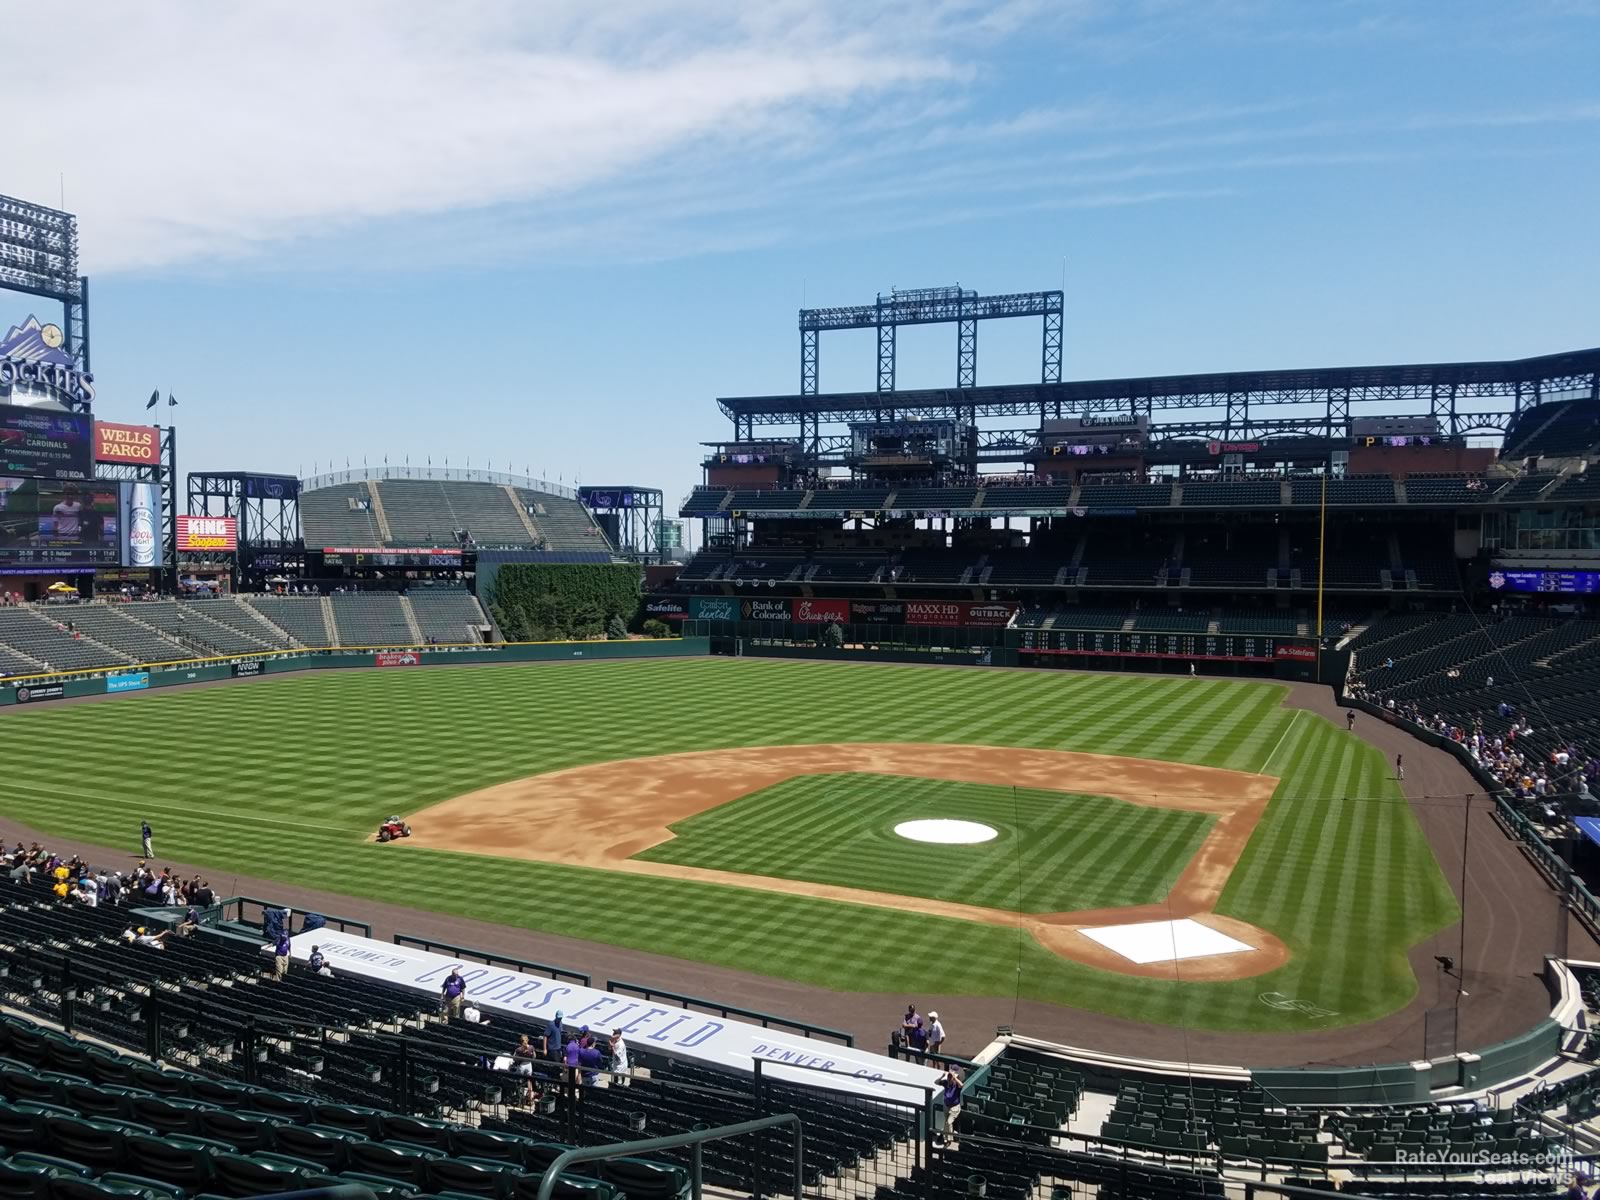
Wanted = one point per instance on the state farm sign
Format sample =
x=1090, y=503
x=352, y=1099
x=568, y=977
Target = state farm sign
x=208, y=533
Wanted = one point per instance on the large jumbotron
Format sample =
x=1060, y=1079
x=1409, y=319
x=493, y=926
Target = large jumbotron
x=1213, y=754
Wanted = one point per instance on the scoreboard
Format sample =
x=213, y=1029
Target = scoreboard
x=1250, y=646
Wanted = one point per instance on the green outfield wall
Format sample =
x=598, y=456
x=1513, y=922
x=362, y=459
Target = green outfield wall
x=69, y=685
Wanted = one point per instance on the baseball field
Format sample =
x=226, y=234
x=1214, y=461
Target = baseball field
x=747, y=814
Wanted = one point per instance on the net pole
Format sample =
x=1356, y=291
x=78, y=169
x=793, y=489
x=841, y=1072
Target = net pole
x=1322, y=545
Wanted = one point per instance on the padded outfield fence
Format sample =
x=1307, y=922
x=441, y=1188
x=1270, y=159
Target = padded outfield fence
x=59, y=685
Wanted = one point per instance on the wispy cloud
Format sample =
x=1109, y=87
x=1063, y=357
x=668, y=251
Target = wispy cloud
x=194, y=129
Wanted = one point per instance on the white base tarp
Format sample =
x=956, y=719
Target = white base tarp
x=1165, y=941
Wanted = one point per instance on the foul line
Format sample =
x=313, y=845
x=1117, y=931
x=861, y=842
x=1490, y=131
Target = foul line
x=52, y=789
x=1279, y=746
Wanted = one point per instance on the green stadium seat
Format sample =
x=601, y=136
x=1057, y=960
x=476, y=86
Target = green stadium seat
x=380, y=1185
x=240, y=1176
x=568, y=1187
x=166, y=1114
x=154, y=1187
x=24, y=1181
x=468, y=1178
x=328, y=1148
x=96, y=1144
x=416, y=1131
x=408, y=1164
x=65, y=1187
x=170, y=1160
x=488, y=1146
x=50, y=1162
x=246, y=1132
x=642, y=1179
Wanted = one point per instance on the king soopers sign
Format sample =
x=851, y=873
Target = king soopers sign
x=721, y=1041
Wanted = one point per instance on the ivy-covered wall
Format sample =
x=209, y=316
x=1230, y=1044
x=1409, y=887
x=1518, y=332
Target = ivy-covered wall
x=541, y=602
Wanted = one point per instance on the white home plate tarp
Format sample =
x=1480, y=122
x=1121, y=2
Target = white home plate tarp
x=721, y=1041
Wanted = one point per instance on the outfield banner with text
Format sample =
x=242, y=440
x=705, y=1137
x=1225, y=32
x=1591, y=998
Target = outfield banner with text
x=1142, y=644
x=764, y=610
x=1296, y=653
x=713, y=608
x=877, y=612
x=136, y=681
x=723, y=1042
x=250, y=666
x=815, y=612
x=44, y=691
x=665, y=610
x=397, y=658
x=137, y=445
x=959, y=612
x=208, y=533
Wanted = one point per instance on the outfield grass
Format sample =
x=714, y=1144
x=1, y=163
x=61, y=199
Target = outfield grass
x=285, y=777
x=1054, y=852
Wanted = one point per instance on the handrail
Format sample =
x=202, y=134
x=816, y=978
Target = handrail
x=768, y=1020
x=491, y=960
x=649, y=1145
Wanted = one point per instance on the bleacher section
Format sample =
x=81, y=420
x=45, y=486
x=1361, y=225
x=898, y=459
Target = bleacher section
x=430, y=512
x=1567, y=429
x=241, y=631
x=564, y=524
x=370, y=619
x=263, y=1084
x=116, y=628
x=253, y=1098
x=298, y=616
x=42, y=636
x=446, y=615
x=1240, y=493
x=339, y=516
x=1354, y=489
x=1125, y=495
x=1547, y=669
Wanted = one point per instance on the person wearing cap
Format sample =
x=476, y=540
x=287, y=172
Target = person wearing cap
x=572, y=1056
x=911, y=1031
x=144, y=840
x=554, y=1038
x=622, y=1074
x=280, y=955
x=950, y=1095
x=450, y=993
x=935, y=1033
x=86, y=893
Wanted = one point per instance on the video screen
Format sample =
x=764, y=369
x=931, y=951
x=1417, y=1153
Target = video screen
x=52, y=522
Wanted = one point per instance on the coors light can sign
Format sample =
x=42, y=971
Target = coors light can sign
x=142, y=539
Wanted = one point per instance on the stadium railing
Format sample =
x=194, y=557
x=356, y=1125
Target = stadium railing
x=493, y=960
x=240, y=906
x=765, y=1020
x=695, y=1140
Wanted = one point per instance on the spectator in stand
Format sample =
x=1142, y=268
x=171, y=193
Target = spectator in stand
x=450, y=993
x=190, y=922
x=912, y=1030
x=950, y=1085
x=524, y=1054
x=143, y=937
x=935, y=1033
x=554, y=1038
x=280, y=954
x=622, y=1073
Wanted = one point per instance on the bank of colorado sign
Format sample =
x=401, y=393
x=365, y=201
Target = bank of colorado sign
x=208, y=533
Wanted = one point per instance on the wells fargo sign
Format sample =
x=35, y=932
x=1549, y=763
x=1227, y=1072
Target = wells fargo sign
x=136, y=444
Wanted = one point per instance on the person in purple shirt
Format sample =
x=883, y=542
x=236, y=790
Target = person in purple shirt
x=916, y=1034
x=573, y=1056
x=450, y=993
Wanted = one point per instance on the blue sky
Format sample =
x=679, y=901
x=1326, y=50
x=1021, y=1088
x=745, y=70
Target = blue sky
x=549, y=236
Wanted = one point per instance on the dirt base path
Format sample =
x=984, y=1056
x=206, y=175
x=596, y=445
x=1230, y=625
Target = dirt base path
x=603, y=814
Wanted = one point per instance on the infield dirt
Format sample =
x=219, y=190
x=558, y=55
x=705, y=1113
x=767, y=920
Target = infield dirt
x=602, y=814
